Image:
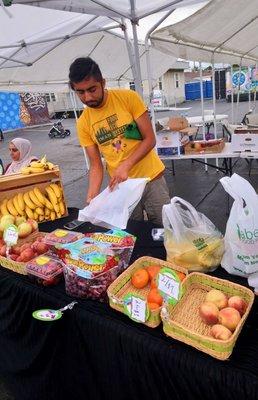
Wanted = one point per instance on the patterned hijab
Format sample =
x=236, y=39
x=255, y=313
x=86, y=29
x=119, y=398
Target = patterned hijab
x=24, y=147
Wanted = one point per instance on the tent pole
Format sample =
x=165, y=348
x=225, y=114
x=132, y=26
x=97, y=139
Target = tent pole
x=72, y=96
x=129, y=49
x=134, y=22
x=238, y=88
x=214, y=102
x=255, y=89
x=232, y=96
x=202, y=105
x=148, y=64
x=249, y=88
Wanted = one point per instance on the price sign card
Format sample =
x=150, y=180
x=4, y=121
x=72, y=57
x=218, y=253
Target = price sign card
x=11, y=235
x=136, y=308
x=169, y=285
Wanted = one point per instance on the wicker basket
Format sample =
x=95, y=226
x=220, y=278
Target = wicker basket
x=122, y=286
x=19, y=267
x=182, y=321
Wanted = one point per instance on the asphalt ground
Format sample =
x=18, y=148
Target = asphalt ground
x=190, y=181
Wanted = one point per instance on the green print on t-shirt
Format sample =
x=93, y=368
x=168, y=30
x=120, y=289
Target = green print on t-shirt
x=106, y=130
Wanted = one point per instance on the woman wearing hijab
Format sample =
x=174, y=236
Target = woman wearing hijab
x=20, y=151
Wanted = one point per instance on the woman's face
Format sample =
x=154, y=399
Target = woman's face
x=14, y=152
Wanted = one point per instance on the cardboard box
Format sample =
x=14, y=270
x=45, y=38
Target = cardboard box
x=169, y=143
x=11, y=185
x=244, y=142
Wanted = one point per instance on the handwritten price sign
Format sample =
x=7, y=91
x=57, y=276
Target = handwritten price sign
x=169, y=284
x=138, y=311
x=136, y=308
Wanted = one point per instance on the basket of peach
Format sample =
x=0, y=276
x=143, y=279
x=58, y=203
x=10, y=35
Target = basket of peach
x=210, y=314
x=137, y=287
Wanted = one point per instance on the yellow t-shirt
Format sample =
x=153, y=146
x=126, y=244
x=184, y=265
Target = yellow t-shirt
x=105, y=126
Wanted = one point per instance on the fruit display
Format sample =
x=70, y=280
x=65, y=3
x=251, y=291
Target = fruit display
x=35, y=167
x=45, y=270
x=223, y=313
x=26, y=251
x=204, y=146
x=25, y=226
x=38, y=204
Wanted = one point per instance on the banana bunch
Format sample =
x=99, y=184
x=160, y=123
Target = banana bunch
x=35, y=167
x=37, y=204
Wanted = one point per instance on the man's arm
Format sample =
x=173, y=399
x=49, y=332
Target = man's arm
x=145, y=145
x=95, y=172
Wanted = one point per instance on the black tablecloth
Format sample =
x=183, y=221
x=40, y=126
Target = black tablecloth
x=94, y=352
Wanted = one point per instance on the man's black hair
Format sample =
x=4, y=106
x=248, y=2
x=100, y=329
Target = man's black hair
x=84, y=68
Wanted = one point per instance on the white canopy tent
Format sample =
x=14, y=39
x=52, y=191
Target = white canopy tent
x=38, y=45
x=131, y=10
x=223, y=31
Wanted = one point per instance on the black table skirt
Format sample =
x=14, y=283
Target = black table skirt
x=94, y=352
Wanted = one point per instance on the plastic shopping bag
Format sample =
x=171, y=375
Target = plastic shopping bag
x=191, y=239
x=241, y=237
x=112, y=209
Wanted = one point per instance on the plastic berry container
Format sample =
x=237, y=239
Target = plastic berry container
x=45, y=270
x=62, y=236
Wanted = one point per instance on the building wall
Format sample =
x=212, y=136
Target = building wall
x=170, y=80
x=171, y=94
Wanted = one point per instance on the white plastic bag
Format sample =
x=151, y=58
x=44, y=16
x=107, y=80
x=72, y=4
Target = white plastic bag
x=191, y=239
x=113, y=209
x=241, y=237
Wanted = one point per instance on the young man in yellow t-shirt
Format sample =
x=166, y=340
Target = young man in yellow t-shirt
x=103, y=129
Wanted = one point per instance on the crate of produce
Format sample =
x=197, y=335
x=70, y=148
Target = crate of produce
x=204, y=146
x=25, y=250
x=122, y=288
x=197, y=324
x=38, y=196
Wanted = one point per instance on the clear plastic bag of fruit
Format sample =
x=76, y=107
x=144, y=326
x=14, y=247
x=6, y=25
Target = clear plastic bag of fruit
x=191, y=240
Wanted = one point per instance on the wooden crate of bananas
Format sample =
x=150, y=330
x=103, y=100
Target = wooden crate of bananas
x=36, y=193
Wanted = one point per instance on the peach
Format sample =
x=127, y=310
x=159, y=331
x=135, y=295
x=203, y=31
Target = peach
x=220, y=332
x=238, y=303
x=24, y=229
x=229, y=317
x=209, y=312
x=16, y=250
x=33, y=224
x=41, y=247
x=3, y=251
x=19, y=220
x=217, y=297
x=27, y=255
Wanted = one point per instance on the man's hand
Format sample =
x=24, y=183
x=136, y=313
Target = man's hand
x=120, y=175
